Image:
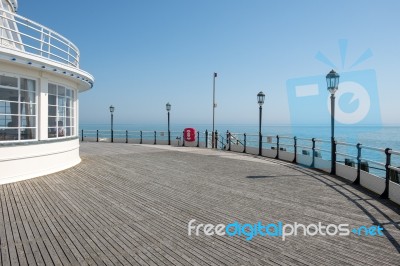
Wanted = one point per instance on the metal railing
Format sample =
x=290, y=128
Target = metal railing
x=21, y=34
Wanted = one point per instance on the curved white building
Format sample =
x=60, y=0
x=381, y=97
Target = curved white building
x=39, y=84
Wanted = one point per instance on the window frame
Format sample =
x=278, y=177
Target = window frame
x=20, y=107
x=53, y=131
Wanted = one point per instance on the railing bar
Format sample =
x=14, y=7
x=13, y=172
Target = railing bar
x=394, y=168
x=346, y=155
x=373, y=148
x=394, y=152
x=322, y=140
x=304, y=147
x=345, y=144
x=374, y=162
x=318, y=149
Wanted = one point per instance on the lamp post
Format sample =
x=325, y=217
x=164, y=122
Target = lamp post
x=112, y=122
x=214, y=105
x=332, y=81
x=260, y=99
x=168, y=107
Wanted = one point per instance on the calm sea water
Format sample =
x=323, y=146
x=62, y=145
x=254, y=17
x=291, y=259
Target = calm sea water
x=371, y=136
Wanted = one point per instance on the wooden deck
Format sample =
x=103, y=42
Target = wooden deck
x=130, y=204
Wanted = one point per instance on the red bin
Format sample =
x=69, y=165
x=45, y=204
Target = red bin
x=189, y=134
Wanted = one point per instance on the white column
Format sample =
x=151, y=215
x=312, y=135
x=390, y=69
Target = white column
x=43, y=109
x=76, y=114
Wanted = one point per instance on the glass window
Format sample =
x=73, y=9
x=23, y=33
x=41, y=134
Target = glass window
x=52, y=100
x=9, y=81
x=18, y=112
x=61, y=111
x=52, y=89
x=28, y=121
x=9, y=94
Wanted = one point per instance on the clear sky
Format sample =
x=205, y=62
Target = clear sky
x=146, y=53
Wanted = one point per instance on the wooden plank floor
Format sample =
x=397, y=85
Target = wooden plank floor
x=128, y=204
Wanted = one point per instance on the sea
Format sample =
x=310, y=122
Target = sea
x=374, y=138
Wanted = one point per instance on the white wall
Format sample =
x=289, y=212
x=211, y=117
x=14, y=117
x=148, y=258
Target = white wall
x=394, y=192
x=347, y=172
x=286, y=156
x=372, y=182
x=27, y=161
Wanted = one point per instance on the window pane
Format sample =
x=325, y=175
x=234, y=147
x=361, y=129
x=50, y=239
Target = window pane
x=28, y=96
x=28, y=85
x=28, y=109
x=8, y=94
x=52, y=99
x=52, y=132
x=68, y=112
x=28, y=133
x=52, y=89
x=61, y=91
x=68, y=92
x=28, y=121
x=8, y=121
x=68, y=102
x=52, y=110
x=68, y=122
x=8, y=134
x=61, y=129
x=61, y=101
x=52, y=121
x=5, y=108
x=9, y=81
x=68, y=131
x=61, y=111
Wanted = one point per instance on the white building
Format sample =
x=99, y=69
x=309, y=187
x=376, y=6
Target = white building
x=39, y=84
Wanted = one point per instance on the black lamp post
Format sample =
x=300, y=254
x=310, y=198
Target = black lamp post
x=168, y=107
x=112, y=122
x=332, y=81
x=260, y=99
x=213, y=120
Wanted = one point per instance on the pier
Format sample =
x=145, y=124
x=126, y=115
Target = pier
x=130, y=204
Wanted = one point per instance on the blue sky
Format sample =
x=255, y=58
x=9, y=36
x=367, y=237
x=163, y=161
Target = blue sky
x=144, y=54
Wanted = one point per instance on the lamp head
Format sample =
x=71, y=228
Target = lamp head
x=332, y=81
x=260, y=98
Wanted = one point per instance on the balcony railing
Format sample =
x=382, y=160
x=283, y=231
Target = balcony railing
x=21, y=34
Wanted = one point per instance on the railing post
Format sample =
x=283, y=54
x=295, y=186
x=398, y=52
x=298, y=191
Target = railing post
x=385, y=194
x=155, y=137
x=97, y=135
x=141, y=137
x=357, y=181
x=198, y=139
x=206, y=140
x=277, y=147
x=82, y=135
x=295, y=149
x=112, y=135
x=216, y=139
x=183, y=138
x=313, y=153
x=228, y=139
x=126, y=137
x=333, y=157
x=244, y=142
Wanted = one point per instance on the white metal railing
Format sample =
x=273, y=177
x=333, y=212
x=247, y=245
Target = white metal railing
x=24, y=35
